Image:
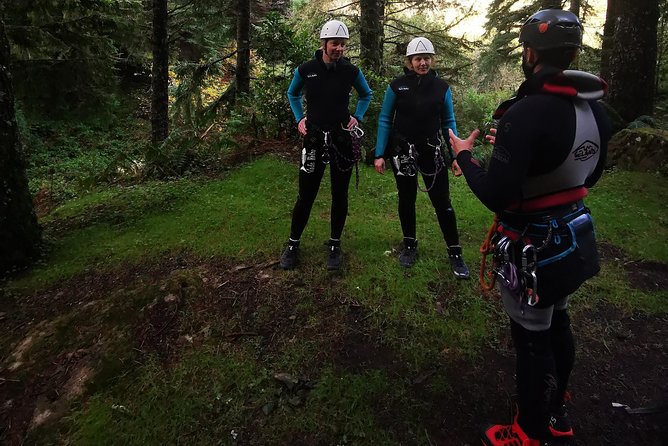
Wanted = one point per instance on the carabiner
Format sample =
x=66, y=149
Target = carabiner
x=355, y=132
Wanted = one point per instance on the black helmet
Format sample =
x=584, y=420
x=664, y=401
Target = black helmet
x=552, y=28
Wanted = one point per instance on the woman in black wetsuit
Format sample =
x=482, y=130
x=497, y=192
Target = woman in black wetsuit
x=417, y=111
x=327, y=125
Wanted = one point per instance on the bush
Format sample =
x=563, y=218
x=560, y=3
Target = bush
x=473, y=110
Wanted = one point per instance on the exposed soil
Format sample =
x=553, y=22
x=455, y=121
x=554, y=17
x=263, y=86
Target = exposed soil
x=621, y=358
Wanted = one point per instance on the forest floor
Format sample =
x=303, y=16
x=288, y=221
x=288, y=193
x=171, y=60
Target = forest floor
x=102, y=355
x=621, y=358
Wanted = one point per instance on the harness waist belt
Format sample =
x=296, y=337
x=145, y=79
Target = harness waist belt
x=568, y=211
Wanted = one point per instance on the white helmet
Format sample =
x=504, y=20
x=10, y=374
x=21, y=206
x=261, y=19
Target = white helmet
x=419, y=45
x=334, y=29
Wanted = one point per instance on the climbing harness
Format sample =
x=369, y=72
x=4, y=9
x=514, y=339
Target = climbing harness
x=406, y=161
x=330, y=151
x=515, y=259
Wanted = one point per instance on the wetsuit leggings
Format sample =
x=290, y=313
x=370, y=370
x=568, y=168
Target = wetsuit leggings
x=439, y=195
x=544, y=363
x=310, y=177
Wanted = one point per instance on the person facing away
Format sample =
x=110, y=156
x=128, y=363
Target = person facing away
x=417, y=107
x=326, y=127
x=550, y=145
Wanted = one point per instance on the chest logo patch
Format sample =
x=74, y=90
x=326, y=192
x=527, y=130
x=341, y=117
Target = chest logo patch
x=403, y=88
x=585, y=151
x=501, y=154
x=310, y=75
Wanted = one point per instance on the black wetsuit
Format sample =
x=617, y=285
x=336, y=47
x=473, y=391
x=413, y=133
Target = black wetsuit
x=551, y=145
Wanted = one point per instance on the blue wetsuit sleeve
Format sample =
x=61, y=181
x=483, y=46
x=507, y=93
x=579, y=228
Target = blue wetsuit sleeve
x=295, y=95
x=385, y=122
x=364, y=94
x=448, y=120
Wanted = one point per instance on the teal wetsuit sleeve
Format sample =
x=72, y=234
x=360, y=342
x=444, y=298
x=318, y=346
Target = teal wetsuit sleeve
x=364, y=94
x=448, y=120
x=295, y=95
x=385, y=122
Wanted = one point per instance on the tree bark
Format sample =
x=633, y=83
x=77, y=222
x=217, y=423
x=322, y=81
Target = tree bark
x=20, y=235
x=575, y=7
x=243, y=47
x=371, y=34
x=629, y=56
x=160, y=74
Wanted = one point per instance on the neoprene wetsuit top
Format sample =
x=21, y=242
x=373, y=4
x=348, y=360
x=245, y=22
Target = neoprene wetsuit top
x=551, y=144
x=415, y=107
x=328, y=89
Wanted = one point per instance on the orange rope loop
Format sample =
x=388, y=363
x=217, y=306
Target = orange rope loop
x=485, y=249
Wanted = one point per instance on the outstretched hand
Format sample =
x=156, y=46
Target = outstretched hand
x=459, y=144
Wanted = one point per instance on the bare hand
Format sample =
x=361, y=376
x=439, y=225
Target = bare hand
x=379, y=164
x=492, y=136
x=352, y=123
x=456, y=170
x=302, y=126
x=459, y=144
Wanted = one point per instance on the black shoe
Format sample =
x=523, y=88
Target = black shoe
x=335, y=257
x=290, y=257
x=408, y=253
x=458, y=266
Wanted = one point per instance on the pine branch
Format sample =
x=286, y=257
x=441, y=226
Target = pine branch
x=179, y=8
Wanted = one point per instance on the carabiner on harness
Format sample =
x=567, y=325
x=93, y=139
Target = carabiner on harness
x=439, y=163
x=406, y=164
x=355, y=132
x=529, y=265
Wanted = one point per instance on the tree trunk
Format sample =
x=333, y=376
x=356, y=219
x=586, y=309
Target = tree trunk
x=160, y=74
x=575, y=7
x=629, y=56
x=371, y=34
x=611, y=15
x=243, y=47
x=20, y=235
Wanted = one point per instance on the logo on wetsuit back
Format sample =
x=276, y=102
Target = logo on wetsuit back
x=312, y=75
x=403, y=88
x=586, y=150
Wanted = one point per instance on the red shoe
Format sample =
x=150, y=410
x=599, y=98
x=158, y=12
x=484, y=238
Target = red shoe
x=560, y=424
x=511, y=435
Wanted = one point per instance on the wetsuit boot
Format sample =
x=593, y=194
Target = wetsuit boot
x=335, y=256
x=408, y=253
x=459, y=268
x=290, y=255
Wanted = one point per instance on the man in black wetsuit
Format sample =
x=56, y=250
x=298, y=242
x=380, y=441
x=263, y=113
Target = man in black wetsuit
x=549, y=147
x=327, y=125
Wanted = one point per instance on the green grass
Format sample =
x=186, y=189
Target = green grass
x=630, y=212
x=211, y=393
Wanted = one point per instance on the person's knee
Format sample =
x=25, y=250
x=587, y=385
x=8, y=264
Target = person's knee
x=560, y=320
x=407, y=198
x=306, y=198
x=534, y=343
